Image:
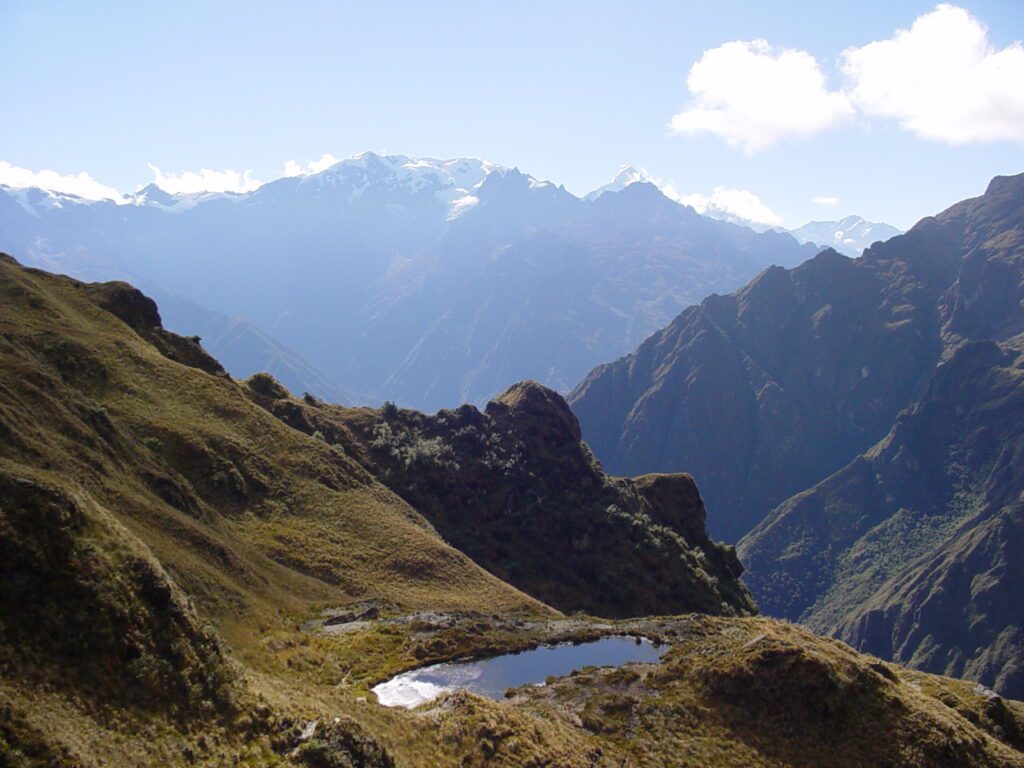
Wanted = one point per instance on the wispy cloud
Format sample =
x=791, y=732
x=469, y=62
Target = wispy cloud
x=941, y=79
x=737, y=204
x=83, y=185
x=828, y=200
x=294, y=168
x=754, y=96
x=204, y=180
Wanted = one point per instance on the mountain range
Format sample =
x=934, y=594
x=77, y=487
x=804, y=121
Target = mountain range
x=426, y=282
x=196, y=561
x=198, y=570
x=855, y=424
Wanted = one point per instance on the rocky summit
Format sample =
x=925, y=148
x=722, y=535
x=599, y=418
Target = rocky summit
x=515, y=489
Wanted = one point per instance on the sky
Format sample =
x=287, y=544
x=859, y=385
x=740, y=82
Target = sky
x=781, y=112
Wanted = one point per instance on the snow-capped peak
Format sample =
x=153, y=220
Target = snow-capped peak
x=626, y=175
x=154, y=196
x=454, y=182
x=850, y=235
x=35, y=199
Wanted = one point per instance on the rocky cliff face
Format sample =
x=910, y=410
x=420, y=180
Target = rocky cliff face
x=515, y=488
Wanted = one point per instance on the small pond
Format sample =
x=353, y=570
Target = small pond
x=492, y=677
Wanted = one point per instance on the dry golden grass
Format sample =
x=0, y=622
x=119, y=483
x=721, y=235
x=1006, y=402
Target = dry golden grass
x=255, y=521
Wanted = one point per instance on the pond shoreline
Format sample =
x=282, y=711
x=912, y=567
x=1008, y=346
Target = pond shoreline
x=494, y=675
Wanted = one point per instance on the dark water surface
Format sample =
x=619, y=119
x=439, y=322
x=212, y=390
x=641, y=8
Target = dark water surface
x=492, y=677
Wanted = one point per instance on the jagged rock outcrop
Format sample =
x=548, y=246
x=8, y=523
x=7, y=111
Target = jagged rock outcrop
x=515, y=488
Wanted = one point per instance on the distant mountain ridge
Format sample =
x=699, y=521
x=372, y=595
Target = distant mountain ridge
x=763, y=392
x=849, y=235
x=426, y=282
x=245, y=349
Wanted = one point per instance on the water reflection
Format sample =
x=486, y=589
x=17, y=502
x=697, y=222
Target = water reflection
x=492, y=677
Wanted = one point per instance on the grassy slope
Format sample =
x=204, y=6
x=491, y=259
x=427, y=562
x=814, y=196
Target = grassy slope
x=141, y=498
x=157, y=473
x=183, y=456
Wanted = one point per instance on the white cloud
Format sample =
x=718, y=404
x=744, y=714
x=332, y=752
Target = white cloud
x=668, y=189
x=293, y=168
x=204, y=180
x=83, y=184
x=941, y=79
x=733, y=205
x=828, y=200
x=753, y=96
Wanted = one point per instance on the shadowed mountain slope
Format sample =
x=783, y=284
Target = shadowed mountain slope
x=763, y=393
x=913, y=551
x=890, y=387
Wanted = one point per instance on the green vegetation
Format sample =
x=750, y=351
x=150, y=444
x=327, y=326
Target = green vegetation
x=910, y=552
x=516, y=489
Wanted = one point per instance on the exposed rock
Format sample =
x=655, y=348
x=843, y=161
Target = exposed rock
x=516, y=489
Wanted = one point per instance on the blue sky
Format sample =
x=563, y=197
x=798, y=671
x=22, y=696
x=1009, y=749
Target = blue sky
x=565, y=91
